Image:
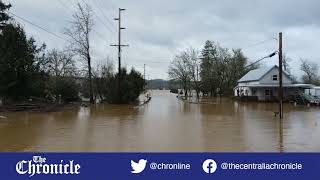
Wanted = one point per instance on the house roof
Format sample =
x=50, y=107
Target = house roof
x=257, y=74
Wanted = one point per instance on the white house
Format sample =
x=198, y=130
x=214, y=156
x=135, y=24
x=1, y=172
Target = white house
x=315, y=91
x=262, y=84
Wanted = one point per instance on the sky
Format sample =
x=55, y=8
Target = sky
x=157, y=30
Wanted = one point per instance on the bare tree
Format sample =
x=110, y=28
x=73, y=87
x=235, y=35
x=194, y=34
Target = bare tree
x=285, y=62
x=179, y=70
x=102, y=75
x=60, y=63
x=79, y=34
x=310, y=70
x=191, y=57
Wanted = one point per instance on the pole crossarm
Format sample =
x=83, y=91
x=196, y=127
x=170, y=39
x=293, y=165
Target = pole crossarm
x=122, y=45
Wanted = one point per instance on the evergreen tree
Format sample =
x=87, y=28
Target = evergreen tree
x=4, y=17
x=208, y=73
x=221, y=69
x=131, y=86
x=20, y=75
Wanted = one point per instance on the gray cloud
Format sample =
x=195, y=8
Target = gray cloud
x=156, y=30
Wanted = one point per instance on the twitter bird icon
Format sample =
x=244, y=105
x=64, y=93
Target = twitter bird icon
x=138, y=167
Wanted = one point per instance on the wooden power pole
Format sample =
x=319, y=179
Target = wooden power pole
x=144, y=76
x=280, y=78
x=119, y=45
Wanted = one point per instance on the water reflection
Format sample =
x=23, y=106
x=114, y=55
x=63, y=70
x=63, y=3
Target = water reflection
x=165, y=124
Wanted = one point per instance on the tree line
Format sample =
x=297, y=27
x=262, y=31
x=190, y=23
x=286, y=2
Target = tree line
x=215, y=70
x=29, y=71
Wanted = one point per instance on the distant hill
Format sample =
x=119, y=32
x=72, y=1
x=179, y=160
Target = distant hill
x=157, y=84
x=161, y=84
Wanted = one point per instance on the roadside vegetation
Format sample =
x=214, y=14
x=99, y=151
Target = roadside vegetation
x=33, y=73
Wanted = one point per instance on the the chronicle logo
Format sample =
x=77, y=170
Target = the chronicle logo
x=38, y=165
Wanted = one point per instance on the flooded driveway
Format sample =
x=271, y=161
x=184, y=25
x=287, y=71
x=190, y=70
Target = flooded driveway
x=165, y=124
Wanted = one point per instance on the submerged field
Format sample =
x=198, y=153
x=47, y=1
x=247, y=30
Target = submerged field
x=166, y=124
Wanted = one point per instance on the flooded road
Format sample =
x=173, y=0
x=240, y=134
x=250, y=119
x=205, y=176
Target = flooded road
x=166, y=124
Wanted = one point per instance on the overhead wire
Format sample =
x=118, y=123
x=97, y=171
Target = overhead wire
x=259, y=43
x=101, y=21
x=147, y=61
x=63, y=4
x=103, y=14
x=38, y=26
x=67, y=8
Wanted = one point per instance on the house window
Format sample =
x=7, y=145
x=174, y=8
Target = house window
x=275, y=77
x=267, y=92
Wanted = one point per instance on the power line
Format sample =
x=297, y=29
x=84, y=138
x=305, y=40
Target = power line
x=104, y=15
x=259, y=43
x=103, y=23
x=155, y=62
x=67, y=8
x=25, y=20
x=113, y=7
x=71, y=4
x=64, y=5
x=100, y=35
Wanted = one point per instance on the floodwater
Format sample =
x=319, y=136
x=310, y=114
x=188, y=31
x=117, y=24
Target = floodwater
x=165, y=124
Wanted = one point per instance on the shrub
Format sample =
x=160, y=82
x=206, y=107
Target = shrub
x=68, y=89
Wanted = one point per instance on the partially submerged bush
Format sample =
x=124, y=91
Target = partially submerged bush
x=67, y=88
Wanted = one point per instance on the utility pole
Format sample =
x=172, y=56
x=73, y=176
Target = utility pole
x=144, y=76
x=119, y=45
x=280, y=78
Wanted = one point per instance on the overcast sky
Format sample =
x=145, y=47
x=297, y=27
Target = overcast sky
x=159, y=29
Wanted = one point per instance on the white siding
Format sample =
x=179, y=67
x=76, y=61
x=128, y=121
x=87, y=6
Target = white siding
x=248, y=83
x=260, y=94
x=314, y=91
x=267, y=79
x=258, y=88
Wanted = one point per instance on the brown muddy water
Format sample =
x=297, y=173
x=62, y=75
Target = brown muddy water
x=166, y=124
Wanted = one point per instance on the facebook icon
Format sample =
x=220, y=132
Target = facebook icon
x=209, y=166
